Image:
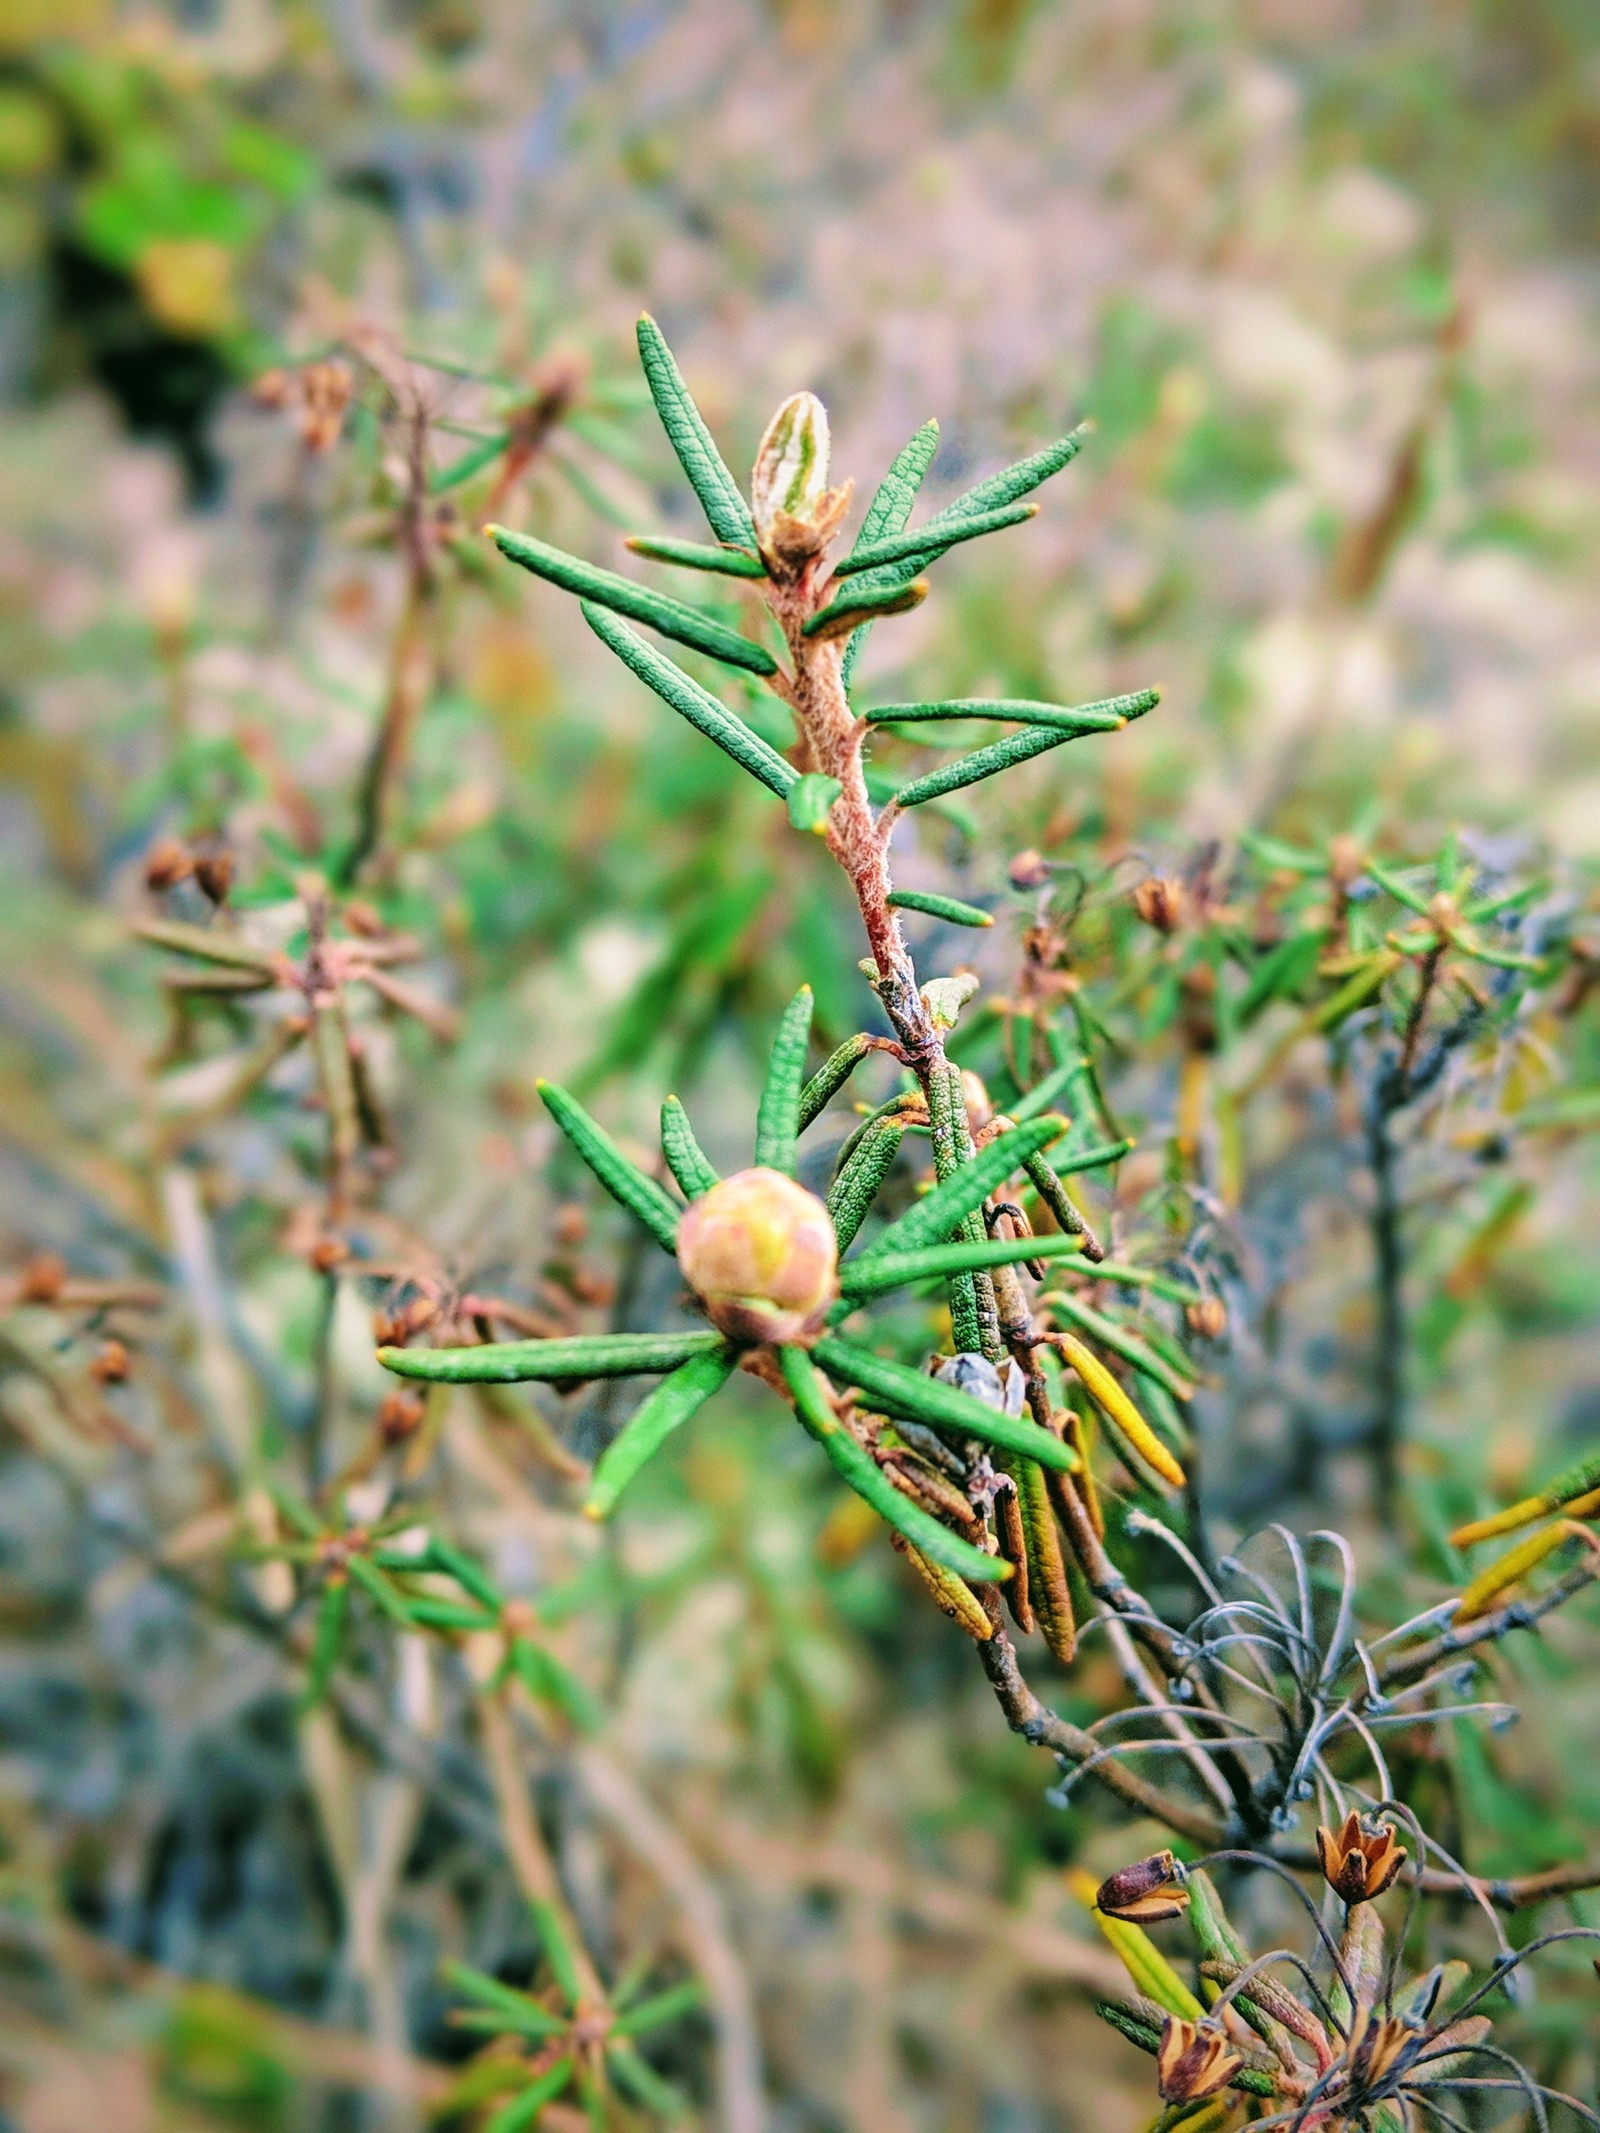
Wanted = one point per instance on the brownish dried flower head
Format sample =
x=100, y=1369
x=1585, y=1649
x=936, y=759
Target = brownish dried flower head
x=1146, y=1892
x=399, y=1415
x=324, y=395
x=166, y=864
x=213, y=873
x=43, y=1279
x=110, y=1366
x=1029, y=870
x=1159, y=902
x=1193, y=2061
x=760, y=1253
x=1208, y=1317
x=1359, y=1863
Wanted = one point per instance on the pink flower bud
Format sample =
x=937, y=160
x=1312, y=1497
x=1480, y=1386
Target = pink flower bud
x=760, y=1253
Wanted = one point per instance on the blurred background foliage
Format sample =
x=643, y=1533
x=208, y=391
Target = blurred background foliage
x=1323, y=276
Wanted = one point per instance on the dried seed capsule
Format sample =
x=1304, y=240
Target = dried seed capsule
x=760, y=1253
x=110, y=1366
x=166, y=864
x=1159, y=902
x=213, y=873
x=1359, y=1863
x=1149, y=1890
x=1193, y=2061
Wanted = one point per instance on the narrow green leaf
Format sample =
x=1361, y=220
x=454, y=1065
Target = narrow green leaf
x=1010, y=483
x=1046, y=1182
x=671, y=617
x=875, y=1273
x=778, y=1115
x=811, y=799
x=691, y=555
x=865, y=603
x=720, y=497
x=660, y=2007
x=697, y=705
x=860, y=1177
x=1137, y=2030
x=674, y=1400
x=533, y=2022
x=1109, y=715
x=916, y=547
x=858, y=1467
x=559, y=1953
x=638, y=2078
x=427, y=1612
x=1096, y=1158
x=501, y=1999
x=982, y=763
x=326, y=1641
x=933, y=1218
x=685, y=1158
x=1042, y=1096
x=831, y=1077
x=1392, y=885
x=949, y=908
x=442, y=1554
x=523, y=2108
x=378, y=1589
x=548, y=1681
x=1128, y=1345
x=889, y=511
x=590, y=1355
x=625, y=1181
x=903, y=1391
x=471, y=462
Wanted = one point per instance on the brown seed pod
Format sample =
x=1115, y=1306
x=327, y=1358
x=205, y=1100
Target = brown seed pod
x=1145, y=1892
x=1359, y=1863
x=1029, y=870
x=166, y=864
x=43, y=1279
x=110, y=1366
x=1208, y=1317
x=1159, y=902
x=1193, y=2061
x=213, y=873
x=760, y=1253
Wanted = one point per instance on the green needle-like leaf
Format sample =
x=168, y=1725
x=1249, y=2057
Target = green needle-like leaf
x=690, y=701
x=864, y=603
x=860, y=1178
x=327, y=1639
x=902, y=1391
x=659, y=2008
x=1392, y=885
x=691, y=555
x=637, y=2078
x=590, y=1355
x=523, y=2108
x=504, y=2001
x=916, y=548
x=671, y=617
x=888, y=513
x=1066, y=1166
x=874, y=1273
x=685, y=1158
x=1042, y=1096
x=442, y=1554
x=949, y=908
x=674, y=1400
x=559, y=1952
x=778, y=1116
x=1010, y=483
x=378, y=1589
x=858, y=1467
x=1109, y=715
x=548, y=1681
x=933, y=1218
x=720, y=497
x=471, y=462
x=625, y=1181
x=430, y=1613
x=982, y=763
x=831, y=1077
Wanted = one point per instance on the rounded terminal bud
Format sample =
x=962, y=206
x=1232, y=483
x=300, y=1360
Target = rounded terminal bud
x=1148, y=1890
x=1158, y=899
x=791, y=469
x=760, y=1253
